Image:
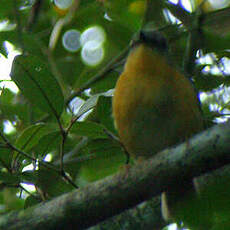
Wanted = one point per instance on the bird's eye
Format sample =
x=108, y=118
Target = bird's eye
x=154, y=39
x=142, y=36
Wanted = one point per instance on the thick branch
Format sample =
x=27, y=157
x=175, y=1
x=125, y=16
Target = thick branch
x=211, y=191
x=98, y=201
x=146, y=215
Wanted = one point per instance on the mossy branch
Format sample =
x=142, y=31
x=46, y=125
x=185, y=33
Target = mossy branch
x=98, y=201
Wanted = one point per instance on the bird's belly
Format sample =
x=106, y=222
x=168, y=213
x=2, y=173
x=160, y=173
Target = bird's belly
x=152, y=115
x=147, y=133
x=146, y=128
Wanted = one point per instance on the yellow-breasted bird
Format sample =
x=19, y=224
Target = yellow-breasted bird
x=154, y=105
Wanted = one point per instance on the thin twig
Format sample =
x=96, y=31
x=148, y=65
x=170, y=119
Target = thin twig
x=55, y=71
x=67, y=178
x=193, y=44
x=62, y=170
x=113, y=137
x=19, y=26
x=25, y=190
x=56, y=115
x=47, y=165
x=35, y=10
x=62, y=147
x=74, y=119
x=61, y=23
x=62, y=152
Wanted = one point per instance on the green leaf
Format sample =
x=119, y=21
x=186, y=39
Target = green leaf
x=107, y=159
x=89, y=129
x=32, y=43
x=104, y=112
x=114, y=30
x=13, y=107
x=31, y=201
x=7, y=8
x=29, y=176
x=52, y=183
x=9, y=178
x=48, y=143
x=89, y=104
x=106, y=83
x=5, y=157
x=11, y=200
x=38, y=85
x=31, y=136
x=214, y=42
x=208, y=82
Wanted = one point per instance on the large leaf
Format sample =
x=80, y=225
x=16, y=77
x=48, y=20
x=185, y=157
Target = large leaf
x=6, y=9
x=38, y=85
x=32, y=135
x=11, y=200
x=5, y=156
x=89, y=104
x=52, y=183
x=89, y=129
x=104, y=112
x=107, y=159
x=9, y=178
x=32, y=200
x=48, y=143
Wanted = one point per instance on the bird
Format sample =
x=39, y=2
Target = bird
x=155, y=106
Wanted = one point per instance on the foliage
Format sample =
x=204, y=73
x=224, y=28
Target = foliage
x=63, y=106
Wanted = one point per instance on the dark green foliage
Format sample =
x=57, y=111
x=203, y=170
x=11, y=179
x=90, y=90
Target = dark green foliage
x=46, y=124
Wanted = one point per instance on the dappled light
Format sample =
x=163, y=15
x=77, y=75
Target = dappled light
x=87, y=87
x=92, y=53
x=71, y=40
x=92, y=40
x=63, y=4
x=94, y=33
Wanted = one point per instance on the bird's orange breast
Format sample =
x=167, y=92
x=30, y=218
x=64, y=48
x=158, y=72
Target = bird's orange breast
x=154, y=106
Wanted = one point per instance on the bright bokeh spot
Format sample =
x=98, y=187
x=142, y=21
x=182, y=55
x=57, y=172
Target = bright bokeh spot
x=71, y=40
x=172, y=227
x=170, y=17
x=92, y=53
x=5, y=66
x=213, y=98
x=106, y=16
x=8, y=127
x=28, y=187
x=92, y=41
x=219, y=96
x=48, y=157
x=30, y=167
x=173, y=1
x=63, y=4
x=187, y=5
x=76, y=104
x=219, y=4
x=5, y=25
x=94, y=33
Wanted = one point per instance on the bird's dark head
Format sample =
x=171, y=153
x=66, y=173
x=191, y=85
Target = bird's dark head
x=153, y=39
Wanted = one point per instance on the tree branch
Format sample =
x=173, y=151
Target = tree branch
x=98, y=201
x=146, y=215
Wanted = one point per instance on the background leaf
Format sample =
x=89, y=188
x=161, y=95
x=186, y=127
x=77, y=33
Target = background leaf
x=38, y=84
